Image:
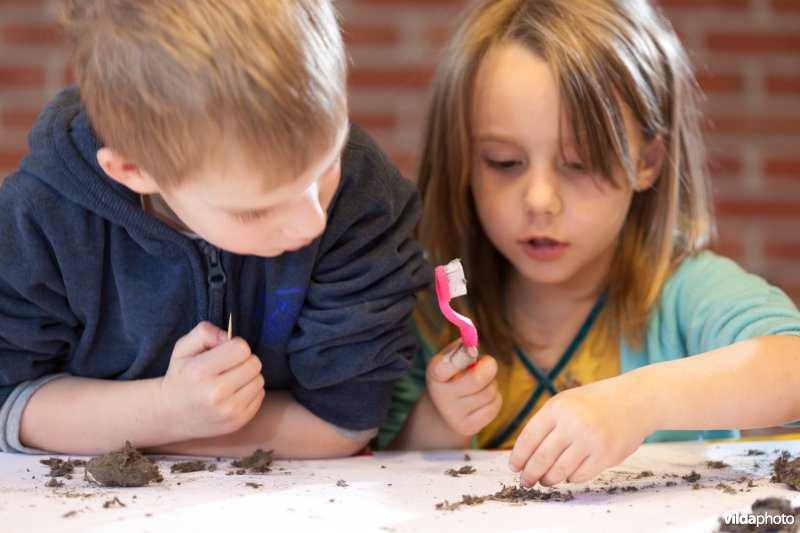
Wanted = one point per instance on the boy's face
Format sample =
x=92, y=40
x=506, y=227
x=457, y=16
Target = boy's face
x=227, y=204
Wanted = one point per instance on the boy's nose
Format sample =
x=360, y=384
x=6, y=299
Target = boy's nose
x=541, y=195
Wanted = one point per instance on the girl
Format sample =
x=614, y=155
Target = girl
x=563, y=164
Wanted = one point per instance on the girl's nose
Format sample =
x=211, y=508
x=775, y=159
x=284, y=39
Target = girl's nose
x=541, y=195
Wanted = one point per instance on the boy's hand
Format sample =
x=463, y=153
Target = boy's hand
x=579, y=433
x=212, y=386
x=467, y=397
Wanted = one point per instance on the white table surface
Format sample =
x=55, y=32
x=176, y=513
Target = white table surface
x=398, y=492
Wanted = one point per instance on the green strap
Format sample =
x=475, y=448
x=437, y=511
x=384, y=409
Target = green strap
x=546, y=381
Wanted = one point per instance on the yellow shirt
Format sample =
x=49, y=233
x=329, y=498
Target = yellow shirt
x=595, y=359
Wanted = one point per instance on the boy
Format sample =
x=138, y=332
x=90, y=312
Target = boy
x=204, y=170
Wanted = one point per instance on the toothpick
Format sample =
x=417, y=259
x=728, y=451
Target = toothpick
x=230, y=326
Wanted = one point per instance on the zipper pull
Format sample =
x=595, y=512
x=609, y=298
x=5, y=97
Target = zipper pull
x=216, y=275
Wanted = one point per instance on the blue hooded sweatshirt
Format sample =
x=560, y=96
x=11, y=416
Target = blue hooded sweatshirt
x=92, y=286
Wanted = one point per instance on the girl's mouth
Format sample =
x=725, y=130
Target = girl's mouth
x=544, y=248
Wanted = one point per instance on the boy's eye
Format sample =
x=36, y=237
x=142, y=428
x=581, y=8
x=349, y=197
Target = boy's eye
x=249, y=216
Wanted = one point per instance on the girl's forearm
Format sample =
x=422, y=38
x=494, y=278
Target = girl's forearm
x=749, y=384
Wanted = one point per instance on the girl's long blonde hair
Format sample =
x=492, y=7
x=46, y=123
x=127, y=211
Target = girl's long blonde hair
x=605, y=54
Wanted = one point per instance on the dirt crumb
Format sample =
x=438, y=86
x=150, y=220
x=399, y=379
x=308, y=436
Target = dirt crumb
x=257, y=463
x=692, y=478
x=188, y=466
x=467, y=469
x=123, y=468
x=60, y=467
x=509, y=494
x=787, y=470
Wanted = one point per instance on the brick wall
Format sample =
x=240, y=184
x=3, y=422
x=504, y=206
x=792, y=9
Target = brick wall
x=748, y=58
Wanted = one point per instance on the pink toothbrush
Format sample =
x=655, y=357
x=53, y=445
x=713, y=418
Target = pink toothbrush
x=451, y=283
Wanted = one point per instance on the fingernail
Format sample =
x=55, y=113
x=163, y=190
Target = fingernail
x=463, y=356
x=223, y=336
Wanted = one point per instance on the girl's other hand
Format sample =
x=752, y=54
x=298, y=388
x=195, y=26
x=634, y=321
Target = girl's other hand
x=464, y=389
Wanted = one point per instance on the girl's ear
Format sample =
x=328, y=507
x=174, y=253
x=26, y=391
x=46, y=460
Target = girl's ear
x=126, y=172
x=651, y=159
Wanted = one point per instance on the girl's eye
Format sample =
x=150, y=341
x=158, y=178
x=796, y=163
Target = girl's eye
x=501, y=164
x=575, y=166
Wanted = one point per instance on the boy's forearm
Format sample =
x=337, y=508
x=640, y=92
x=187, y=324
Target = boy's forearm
x=746, y=385
x=281, y=425
x=425, y=429
x=74, y=415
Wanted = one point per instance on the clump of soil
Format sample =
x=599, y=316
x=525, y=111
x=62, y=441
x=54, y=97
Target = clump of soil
x=467, y=469
x=258, y=462
x=755, y=452
x=189, y=466
x=787, y=470
x=717, y=464
x=123, y=468
x=60, y=467
x=777, y=509
x=691, y=478
x=341, y=483
x=510, y=494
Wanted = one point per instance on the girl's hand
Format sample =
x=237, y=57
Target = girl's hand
x=466, y=397
x=213, y=386
x=580, y=432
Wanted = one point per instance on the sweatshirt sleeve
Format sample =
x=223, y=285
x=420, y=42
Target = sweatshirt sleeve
x=37, y=326
x=352, y=339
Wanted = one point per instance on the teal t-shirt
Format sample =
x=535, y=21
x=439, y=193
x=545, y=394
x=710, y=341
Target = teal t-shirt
x=707, y=303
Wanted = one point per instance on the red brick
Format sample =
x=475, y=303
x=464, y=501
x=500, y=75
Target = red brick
x=782, y=166
x=9, y=159
x=720, y=82
x=374, y=121
x=782, y=251
x=756, y=125
x=725, y=165
x=783, y=84
x=729, y=249
x=370, y=35
x=391, y=77
x=31, y=34
x=758, y=209
x=785, y=5
x=707, y=4
x=19, y=118
x=744, y=41
x=21, y=76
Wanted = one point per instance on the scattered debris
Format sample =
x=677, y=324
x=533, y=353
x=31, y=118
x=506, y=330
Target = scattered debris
x=341, y=483
x=254, y=485
x=787, y=470
x=258, y=462
x=717, y=464
x=510, y=494
x=467, y=469
x=755, y=452
x=727, y=489
x=54, y=483
x=113, y=503
x=692, y=478
x=188, y=466
x=60, y=467
x=124, y=468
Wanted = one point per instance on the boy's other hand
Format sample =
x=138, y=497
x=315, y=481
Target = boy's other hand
x=467, y=398
x=213, y=386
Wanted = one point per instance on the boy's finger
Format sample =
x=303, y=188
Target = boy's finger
x=201, y=338
x=224, y=357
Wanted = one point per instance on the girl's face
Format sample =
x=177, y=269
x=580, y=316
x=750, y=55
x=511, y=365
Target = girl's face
x=555, y=223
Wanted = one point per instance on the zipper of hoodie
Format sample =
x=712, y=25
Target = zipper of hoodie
x=216, y=283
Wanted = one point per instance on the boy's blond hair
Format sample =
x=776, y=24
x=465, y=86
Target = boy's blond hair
x=604, y=54
x=165, y=82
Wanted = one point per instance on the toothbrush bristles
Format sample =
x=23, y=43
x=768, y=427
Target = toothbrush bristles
x=455, y=278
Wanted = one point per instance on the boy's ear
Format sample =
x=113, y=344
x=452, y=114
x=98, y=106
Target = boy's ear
x=125, y=171
x=651, y=159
